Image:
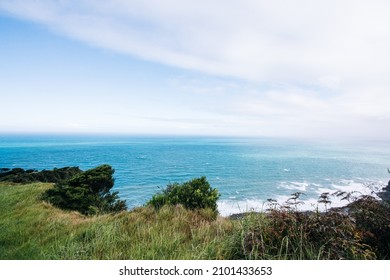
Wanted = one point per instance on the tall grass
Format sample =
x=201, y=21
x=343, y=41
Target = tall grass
x=33, y=229
x=285, y=235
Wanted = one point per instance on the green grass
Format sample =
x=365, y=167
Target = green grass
x=33, y=229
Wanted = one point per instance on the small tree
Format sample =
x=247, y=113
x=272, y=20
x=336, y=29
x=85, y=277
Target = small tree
x=194, y=194
x=87, y=192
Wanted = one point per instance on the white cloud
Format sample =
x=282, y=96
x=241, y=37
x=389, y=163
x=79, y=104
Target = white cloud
x=259, y=40
x=324, y=61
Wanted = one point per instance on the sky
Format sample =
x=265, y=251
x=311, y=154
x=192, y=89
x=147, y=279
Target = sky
x=299, y=68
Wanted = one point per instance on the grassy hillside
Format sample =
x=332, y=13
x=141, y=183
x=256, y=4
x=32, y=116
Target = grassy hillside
x=33, y=229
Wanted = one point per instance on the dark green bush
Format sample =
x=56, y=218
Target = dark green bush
x=19, y=175
x=372, y=218
x=194, y=194
x=87, y=192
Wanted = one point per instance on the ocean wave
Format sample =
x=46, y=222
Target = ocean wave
x=230, y=207
x=300, y=186
x=309, y=202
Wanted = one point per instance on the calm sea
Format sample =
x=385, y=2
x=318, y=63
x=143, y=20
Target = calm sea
x=245, y=171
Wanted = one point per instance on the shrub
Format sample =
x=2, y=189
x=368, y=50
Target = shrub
x=373, y=220
x=19, y=175
x=87, y=192
x=284, y=232
x=194, y=194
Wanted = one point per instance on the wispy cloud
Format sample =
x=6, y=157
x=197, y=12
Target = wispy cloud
x=321, y=61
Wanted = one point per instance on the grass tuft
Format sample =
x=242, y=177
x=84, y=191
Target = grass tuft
x=33, y=229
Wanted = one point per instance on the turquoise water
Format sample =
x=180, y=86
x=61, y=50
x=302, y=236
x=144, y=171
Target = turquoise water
x=245, y=171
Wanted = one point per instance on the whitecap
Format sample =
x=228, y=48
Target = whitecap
x=229, y=207
x=300, y=186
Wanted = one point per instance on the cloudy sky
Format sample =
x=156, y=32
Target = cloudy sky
x=240, y=67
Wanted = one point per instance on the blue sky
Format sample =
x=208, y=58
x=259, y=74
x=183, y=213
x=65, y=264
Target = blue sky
x=238, y=68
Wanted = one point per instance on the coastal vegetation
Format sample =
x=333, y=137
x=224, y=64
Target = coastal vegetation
x=167, y=228
x=88, y=192
x=194, y=194
x=19, y=175
x=361, y=230
x=31, y=228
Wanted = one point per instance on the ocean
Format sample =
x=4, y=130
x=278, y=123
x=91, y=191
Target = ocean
x=246, y=171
